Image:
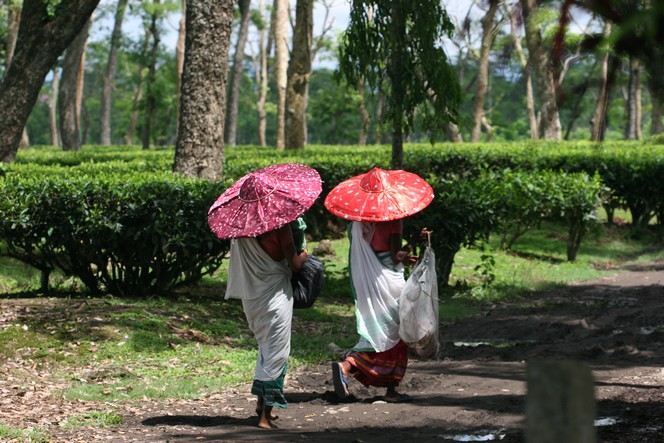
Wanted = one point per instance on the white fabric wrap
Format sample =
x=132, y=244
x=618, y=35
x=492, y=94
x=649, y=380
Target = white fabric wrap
x=267, y=299
x=377, y=288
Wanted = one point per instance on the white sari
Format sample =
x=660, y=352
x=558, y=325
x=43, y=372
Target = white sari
x=265, y=289
x=377, y=285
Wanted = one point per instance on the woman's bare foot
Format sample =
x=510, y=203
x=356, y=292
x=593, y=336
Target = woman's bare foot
x=265, y=421
x=272, y=416
x=259, y=411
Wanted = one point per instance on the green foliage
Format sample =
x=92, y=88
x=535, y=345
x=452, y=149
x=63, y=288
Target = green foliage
x=395, y=47
x=460, y=215
x=129, y=234
x=332, y=111
x=118, y=197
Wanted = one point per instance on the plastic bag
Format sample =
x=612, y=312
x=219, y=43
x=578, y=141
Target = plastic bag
x=307, y=283
x=418, y=307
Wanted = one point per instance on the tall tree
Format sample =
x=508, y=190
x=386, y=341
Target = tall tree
x=365, y=119
x=488, y=33
x=179, y=52
x=637, y=31
x=656, y=112
x=403, y=41
x=540, y=60
x=13, y=23
x=138, y=93
x=149, y=107
x=634, y=111
x=607, y=67
x=109, y=76
x=199, y=150
x=280, y=31
x=260, y=68
x=528, y=79
x=46, y=30
x=299, y=70
x=70, y=94
x=236, y=73
x=52, y=107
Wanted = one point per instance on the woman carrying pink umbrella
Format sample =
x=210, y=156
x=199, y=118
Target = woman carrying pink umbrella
x=376, y=203
x=255, y=212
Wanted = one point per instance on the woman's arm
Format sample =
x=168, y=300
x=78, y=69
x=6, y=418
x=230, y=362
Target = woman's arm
x=295, y=260
x=400, y=253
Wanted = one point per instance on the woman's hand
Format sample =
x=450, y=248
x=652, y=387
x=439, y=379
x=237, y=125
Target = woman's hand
x=404, y=256
x=424, y=236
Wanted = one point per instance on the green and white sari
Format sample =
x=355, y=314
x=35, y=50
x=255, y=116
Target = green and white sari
x=264, y=287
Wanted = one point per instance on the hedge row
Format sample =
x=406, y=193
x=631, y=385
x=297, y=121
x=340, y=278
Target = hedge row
x=123, y=228
x=127, y=234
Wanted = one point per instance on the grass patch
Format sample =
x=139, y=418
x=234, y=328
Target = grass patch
x=32, y=435
x=97, y=419
x=538, y=260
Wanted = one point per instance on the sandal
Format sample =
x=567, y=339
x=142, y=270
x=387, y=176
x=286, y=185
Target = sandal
x=403, y=398
x=339, y=380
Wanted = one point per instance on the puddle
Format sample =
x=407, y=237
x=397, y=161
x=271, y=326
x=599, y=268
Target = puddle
x=472, y=344
x=647, y=330
x=492, y=343
x=497, y=435
x=606, y=421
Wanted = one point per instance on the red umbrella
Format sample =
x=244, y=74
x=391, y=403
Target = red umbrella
x=379, y=195
x=264, y=200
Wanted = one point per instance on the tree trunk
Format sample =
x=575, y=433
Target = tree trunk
x=133, y=118
x=397, y=75
x=364, y=115
x=280, y=28
x=52, y=108
x=85, y=118
x=299, y=70
x=634, y=112
x=378, y=130
x=199, y=150
x=236, y=74
x=179, y=57
x=599, y=120
x=549, y=122
x=138, y=95
x=483, y=70
x=656, y=114
x=148, y=111
x=453, y=133
x=527, y=77
x=71, y=91
x=261, y=80
x=13, y=23
x=109, y=76
x=362, y=104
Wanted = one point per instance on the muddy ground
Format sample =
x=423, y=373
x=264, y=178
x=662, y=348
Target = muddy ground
x=474, y=391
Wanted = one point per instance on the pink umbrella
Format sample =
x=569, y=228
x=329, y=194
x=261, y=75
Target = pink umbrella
x=379, y=195
x=264, y=200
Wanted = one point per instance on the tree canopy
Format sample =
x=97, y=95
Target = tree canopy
x=395, y=46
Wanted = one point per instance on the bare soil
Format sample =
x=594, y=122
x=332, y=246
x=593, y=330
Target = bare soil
x=474, y=391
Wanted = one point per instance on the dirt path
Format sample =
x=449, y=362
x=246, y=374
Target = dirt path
x=476, y=389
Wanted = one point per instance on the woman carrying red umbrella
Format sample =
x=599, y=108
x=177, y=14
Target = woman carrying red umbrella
x=376, y=203
x=256, y=212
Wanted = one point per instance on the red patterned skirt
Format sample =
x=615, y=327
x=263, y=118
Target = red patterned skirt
x=380, y=369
